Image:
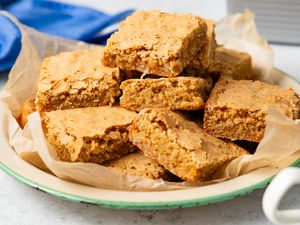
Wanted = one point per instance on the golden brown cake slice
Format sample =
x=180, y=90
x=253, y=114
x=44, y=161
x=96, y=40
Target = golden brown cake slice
x=206, y=55
x=27, y=107
x=176, y=93
x=181, y=146
x=76, y=79
x=137, y=164
x=231, y=63
x=93, y=134
x=237, y=109
x=157, y=43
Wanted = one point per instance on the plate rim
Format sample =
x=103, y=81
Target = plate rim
x=147, y=205
x=143, y=205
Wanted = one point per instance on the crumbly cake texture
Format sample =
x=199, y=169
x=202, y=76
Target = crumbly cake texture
x=231, y=63
x=176, y=93
x=76, y=79
x=156, y=43
x=237, y=109
x=93, y=134
x=137, y=164
x=206, y=54
x=26, y=108
x=181, y=146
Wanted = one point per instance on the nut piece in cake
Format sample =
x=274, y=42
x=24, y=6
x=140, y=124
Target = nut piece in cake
x=93, y=134
x=27, y=107
x=76, y=79
x=181, y=146
x=157, y=43
x=206, y=55
x=175, y=93
x=237, y=109
x=231, y=63
x=136, y=164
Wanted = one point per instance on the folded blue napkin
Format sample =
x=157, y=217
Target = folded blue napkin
x=55, y=18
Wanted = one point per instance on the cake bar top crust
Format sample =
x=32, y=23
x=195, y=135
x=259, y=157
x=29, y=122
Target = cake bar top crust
x=189, y=135
x=157, y=43
x=74, y=66
x=230, y=56
x=179, y=145
x=87, y=122
x=254, y=95
x=231, y=63
x=137, y=164
x=161, y=33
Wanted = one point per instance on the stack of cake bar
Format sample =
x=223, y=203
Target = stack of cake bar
x=128, y=105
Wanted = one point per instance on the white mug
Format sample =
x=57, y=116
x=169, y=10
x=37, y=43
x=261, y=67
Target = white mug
x=275, y=192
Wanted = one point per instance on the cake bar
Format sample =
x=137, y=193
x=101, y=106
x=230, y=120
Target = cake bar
x=154, y=42
x=76, y=79
x=92, y=134
x=176, y=93
x=237, y=110
x=232, y=64
x=181, y=146
x=136, y=164
x=204, y=58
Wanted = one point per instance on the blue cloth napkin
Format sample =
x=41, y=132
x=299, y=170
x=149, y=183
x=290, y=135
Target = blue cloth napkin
x=55, y=18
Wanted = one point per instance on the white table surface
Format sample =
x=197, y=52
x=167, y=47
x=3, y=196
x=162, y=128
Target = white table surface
x=20, y=204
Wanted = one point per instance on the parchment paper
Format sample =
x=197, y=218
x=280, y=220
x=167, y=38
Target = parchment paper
x=238, y=31
x=282, y=136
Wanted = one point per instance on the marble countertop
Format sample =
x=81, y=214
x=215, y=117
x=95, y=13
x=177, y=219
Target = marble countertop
x=23, y=205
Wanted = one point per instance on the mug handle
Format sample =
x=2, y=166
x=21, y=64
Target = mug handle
x=275, y=192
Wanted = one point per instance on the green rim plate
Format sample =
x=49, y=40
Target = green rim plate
x=142, y=205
